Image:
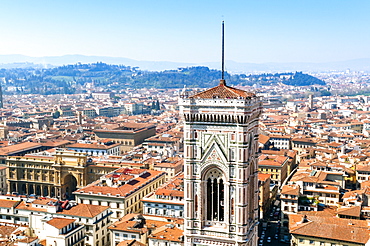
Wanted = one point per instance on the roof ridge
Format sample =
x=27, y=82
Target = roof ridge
x=301, y=225
x=88, y=209
x=223, y=91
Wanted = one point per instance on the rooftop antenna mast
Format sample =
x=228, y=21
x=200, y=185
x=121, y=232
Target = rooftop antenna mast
x=222, y=81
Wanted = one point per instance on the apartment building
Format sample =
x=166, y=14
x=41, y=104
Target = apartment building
x=96, y=149
x=82, y=224
x=289, y=200
x=265, y=198
x=280, y=141
x=276, y=166
x=148, y=230
x=121, y=190
x=167, y=200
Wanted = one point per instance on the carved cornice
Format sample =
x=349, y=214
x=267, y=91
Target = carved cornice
x=221, y=118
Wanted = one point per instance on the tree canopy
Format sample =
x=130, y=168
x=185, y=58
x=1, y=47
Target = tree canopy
x=70, y=79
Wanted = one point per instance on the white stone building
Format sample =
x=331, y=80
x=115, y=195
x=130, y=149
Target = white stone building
x=64, y=232
x=167, y=200
x=36, y=212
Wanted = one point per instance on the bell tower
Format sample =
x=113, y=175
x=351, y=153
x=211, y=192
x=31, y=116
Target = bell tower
x=220, y=162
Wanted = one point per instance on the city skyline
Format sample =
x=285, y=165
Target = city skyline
x=258, y=32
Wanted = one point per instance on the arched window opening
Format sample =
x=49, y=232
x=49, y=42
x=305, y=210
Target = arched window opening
x=215, y=203
x=209, y=199
x=222, y=202
x=196, y=205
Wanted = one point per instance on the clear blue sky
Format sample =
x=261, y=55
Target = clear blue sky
x=189, y=30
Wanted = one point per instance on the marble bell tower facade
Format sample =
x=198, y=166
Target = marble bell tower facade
x=220, y=162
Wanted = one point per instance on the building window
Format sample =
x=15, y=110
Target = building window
x=301, y=240
x=215, y=196
x=312, y=241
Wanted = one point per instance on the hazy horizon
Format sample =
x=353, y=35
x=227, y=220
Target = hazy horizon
x=206, y=61
x=189, y=32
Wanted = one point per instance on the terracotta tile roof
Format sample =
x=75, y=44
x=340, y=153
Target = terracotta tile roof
x=269, y=163
x=168, y=164
x=263, y=176
x=136, y=223
x=168, y=232
x=335, y=145
x=224, y=92
x=174, y=187
x=80, y=210
x=263, y=139
x=92, y=146
x=19, y=147
x=126, y=188
x=305, y=140
x=290, y=190
x=27, y=240
x=354, y=211
x=8, y=203
x=28, y=206
x=132, y=242
x=279, y=136
x=271, y=160
x=44, y=201
x=84, y=210
x=361, y=167
x=365, y=184
x=284, y=152
x=60, y=223
x=7, y=229
x=55, y=143
x=168, y=192
x=332, y=228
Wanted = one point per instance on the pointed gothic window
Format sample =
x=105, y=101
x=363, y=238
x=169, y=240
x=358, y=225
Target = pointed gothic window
x=215, y=202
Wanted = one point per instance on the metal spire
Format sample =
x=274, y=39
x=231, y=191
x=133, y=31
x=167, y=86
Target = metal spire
x=222, y=81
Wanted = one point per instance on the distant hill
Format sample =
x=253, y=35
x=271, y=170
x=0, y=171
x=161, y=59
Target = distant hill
x=294, y=79
x=12, y=61
x=75, y=78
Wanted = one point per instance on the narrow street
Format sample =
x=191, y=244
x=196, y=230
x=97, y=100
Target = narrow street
x=269, y=232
